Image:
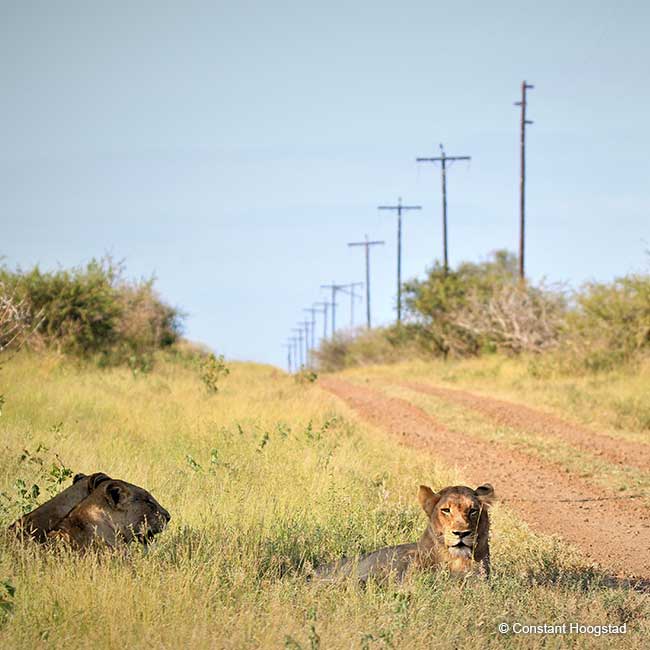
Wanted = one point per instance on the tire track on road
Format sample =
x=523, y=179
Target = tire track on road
x=525, y=418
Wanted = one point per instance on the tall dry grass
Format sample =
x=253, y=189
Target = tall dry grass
x=263, y=479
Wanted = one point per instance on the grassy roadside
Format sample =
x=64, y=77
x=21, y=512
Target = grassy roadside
x=616, y=402
x=262, y=480
x=611, y=476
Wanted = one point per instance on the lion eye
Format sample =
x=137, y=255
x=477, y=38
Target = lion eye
x=445, y=510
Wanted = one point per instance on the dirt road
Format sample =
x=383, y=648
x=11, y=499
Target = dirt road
x=613, y=532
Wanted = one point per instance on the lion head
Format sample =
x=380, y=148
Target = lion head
x=458, y=524
x=115, y=512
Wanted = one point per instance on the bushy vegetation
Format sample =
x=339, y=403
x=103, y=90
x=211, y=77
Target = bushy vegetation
x=93, y=312
x=610, y=324
x=484, y=307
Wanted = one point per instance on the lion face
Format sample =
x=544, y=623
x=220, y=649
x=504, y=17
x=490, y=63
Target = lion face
x=458, y=518
x=116, y=512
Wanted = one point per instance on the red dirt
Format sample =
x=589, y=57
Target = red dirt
x=525, y=418
x=612, y=533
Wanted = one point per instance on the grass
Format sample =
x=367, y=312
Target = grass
x=611, y=476
x=616, y=402
x=263, y=480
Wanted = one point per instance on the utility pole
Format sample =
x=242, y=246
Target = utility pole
x=289, y=347
x=522, y=176
x=312, y=311
x=349, y=289
x=335, y=288
x=294, y=342
x=367, y=244
x=443, y=159
x=299, y=338
x=399, y=208
x=323, y=310
x=306, y=324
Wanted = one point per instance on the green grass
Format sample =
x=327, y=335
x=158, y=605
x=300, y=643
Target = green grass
x=616, y=402
x=611, y=476
x=263, y=479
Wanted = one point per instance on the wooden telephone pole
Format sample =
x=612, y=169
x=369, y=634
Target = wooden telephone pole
x=367, y=244
x=522, y=176
x=399, y=208
x=335, y=289
x=443, y=159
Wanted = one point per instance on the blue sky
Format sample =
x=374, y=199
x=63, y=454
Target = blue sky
x=234, y=148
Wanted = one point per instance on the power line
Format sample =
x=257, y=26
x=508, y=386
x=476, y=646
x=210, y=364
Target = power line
x=313, y=312
x=323, y=310
x=289, y=347
x=367, y=244
x=299, y=339
x=335, y=289
x=306, y=324
x=399, y=208
x=522, y=175
x=350, y=291
x=443, y=159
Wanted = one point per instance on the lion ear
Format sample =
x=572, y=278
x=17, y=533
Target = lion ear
x=115, y=493
x=96, y=479
x=428, y=499
x=485, y=494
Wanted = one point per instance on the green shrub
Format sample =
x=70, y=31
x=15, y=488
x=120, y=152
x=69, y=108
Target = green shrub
x=92, y=311
x=213, y=368
x=610, y=324
x=379, y=345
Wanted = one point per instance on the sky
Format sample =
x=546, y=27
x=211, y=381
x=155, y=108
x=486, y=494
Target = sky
x=232, y=149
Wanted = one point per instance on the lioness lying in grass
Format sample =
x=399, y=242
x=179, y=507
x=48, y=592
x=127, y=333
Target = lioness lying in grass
x=456, y=538
x=95, y=508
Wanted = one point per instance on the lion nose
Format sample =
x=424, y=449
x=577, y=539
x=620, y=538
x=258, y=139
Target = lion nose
x=461, y=533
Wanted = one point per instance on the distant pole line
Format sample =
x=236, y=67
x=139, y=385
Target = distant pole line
x=299, y=332
x=289, y=347
x=312, y=311
x=335, y=288
x=349, y=289
x=522, y=176
x=306, y=324
x=294, y=340
x=323, y=310
x=367, y=244
x=443, y=159
x=399, y=208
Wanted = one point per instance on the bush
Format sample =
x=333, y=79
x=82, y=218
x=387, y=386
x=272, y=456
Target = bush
x=365, y=347
x=484, y=307
x=17, y=320
x=92, y=311
x=610, y=324
x=213, y=368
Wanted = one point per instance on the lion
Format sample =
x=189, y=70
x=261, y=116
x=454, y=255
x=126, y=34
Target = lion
x=44, y=519
x=114, y=513
x=456, y=538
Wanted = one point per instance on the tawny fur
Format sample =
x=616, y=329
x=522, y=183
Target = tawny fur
x=115, y=513
x=456, y=539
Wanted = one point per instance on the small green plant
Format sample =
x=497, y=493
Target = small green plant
x=193, y=464
x=7, y=594
x=213, y=369
x=46, y=475
x=305, y=376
